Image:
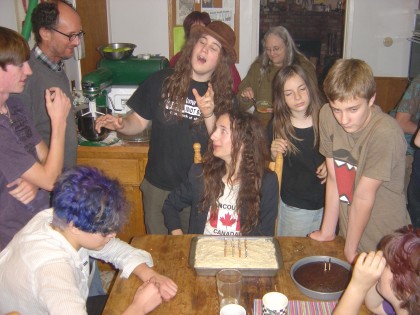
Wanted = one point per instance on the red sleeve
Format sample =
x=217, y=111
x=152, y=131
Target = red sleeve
x=174, y=60
x=236, y=78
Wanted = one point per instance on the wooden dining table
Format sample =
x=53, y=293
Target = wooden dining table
x=198, y=294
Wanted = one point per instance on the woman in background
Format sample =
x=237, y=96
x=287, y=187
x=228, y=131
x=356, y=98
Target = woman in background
x=294, y=133
x=203, y=18
x=255, y=90
x=232, y=192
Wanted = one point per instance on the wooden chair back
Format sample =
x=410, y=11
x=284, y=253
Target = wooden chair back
x=197, y=153
x=277, y=167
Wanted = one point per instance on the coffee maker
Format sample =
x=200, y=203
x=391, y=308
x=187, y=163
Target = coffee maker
x=114, y=81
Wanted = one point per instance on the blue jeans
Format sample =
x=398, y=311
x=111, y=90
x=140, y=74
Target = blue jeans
x=95, y=287
x=413, y=196
x=294, y=221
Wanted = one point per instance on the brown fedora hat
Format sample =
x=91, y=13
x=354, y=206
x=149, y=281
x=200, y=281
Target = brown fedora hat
x=222, y=32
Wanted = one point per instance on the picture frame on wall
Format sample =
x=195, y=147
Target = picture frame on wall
x=221, y=10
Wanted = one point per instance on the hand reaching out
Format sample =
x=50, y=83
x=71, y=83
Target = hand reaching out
x=367, y=270
x=206, y=102
x=108, y=121
x=319, y=236
x=278, y=146
x=167, y=287
x=58, y=105
x=321, y=172
x=24, y=191
x=366, y=273
x=146, y=299
x=248, y=93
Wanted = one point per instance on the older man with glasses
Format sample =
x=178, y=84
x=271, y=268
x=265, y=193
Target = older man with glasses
x=57, y=28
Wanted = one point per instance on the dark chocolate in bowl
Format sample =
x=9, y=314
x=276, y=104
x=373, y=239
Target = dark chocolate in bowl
x=314, y=276
x=321, y=277
x=86, y=124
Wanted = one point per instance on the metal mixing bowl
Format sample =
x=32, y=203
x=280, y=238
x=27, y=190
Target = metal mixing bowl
x=317, y=295
x=116, y=51
x=86, y=124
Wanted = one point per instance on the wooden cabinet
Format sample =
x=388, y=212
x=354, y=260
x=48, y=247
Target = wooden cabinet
x=95, y=24
x=127, y=164
x=389, y=91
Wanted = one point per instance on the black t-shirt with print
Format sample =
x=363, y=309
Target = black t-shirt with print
x=171, y=142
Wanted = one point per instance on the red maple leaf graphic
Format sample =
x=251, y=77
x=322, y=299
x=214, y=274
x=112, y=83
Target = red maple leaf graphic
x=227, y=220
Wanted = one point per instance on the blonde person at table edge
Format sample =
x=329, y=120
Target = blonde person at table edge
x=365, y=157
x=181, y=103
x=293, y=132
x=45, y=268
x=256, y=88
x=231, y=192
x=388, y=280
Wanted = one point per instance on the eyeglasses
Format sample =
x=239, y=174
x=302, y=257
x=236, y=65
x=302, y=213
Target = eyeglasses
x=274, y=49
x=71, y=37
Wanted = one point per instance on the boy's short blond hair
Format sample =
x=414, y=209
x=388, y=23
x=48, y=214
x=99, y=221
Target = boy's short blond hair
x=348, y=79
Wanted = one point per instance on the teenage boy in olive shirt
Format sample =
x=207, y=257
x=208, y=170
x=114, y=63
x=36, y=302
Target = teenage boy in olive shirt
x=365, y=156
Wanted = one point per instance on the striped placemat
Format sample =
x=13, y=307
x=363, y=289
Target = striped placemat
x=302, y=307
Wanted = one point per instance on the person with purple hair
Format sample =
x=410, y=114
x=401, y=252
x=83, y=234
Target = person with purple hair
x=388, y=280
x=45, y=268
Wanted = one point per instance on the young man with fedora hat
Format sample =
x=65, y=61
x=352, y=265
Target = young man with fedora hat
x=181, y=103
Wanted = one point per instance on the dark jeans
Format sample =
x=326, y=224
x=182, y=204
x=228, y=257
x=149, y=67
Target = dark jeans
x=96, y=304
x=413, y=198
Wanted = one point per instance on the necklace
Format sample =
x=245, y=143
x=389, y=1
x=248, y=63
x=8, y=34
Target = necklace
x=7, y=114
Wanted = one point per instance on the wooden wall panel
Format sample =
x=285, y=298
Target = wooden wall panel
x=389, y=91
x=95, y=24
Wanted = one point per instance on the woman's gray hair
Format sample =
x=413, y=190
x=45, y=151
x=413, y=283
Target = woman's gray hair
x=291, y=50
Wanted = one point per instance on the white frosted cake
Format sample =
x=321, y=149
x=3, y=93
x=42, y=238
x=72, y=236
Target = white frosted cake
x=221, y=252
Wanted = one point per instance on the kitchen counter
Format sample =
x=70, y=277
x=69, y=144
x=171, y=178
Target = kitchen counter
x=127, y=163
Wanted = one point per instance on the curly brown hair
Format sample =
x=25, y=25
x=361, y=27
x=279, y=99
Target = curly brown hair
x=249, y=141
x=402, y=254
x=282, y=125
x=176, y=86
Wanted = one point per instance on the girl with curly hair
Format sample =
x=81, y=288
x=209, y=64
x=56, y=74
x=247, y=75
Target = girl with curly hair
x=388, y=280
x=293, y=132
x=181, y=103
x=231, y=192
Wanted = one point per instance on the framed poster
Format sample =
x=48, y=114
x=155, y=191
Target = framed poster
x=221, y=10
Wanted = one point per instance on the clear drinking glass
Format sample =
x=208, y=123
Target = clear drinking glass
x=229, y=285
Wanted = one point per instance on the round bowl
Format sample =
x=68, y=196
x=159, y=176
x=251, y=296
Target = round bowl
x=317, y=265
x=116, y=51
x=143, y=136
x=86, y=124
x=264, y=107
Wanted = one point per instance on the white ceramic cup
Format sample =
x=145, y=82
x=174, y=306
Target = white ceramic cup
x=229, y=284
x=232, y=309
x=274, y=303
